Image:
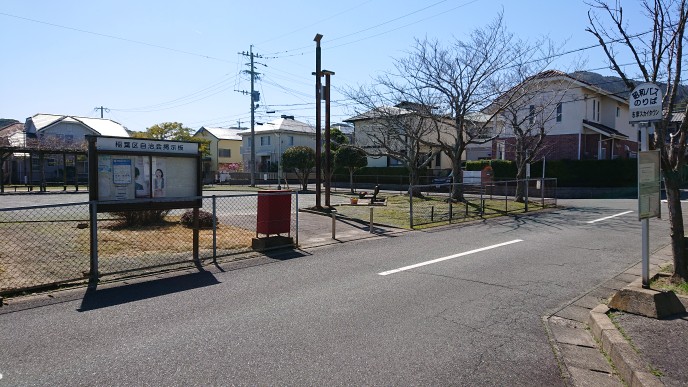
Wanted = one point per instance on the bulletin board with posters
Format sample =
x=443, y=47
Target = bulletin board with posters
x=138, y=174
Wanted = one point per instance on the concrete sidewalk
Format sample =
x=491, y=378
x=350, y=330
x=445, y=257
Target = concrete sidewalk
x=655, y=355
x=316, y=230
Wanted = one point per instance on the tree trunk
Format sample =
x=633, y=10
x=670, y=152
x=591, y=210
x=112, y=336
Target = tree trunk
x=457, y=183
x=520, y=185
x=678, y=243
x=413, y=182
x=351, y=180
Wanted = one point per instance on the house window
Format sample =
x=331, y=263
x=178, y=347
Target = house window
x=598, y=110
x=264, y=140
x=501, y=150
x=531, y=115
x=595, y=110
x=438, y=159
x=290, y=140
x=559, y=112
x=618, y=111
x=224, y=152
x=392, y=162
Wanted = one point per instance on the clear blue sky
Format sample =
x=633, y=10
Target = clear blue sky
x=156, y=61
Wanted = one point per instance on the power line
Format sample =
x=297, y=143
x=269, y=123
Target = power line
x=320, y=21
x=369, y=28
x=114, y=37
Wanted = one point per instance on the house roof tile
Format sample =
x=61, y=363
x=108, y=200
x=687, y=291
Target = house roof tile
x=223, y=133
x=282, y=124
x=102, y=126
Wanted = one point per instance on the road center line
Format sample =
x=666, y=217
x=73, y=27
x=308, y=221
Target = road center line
x=609, y=217
x=449, y=257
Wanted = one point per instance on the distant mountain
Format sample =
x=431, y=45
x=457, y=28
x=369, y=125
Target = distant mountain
x=7, y=122
x=617, y=87
x=611, y=84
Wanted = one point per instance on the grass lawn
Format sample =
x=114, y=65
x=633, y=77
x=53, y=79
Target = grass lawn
x=432, y=210
x=665, y=283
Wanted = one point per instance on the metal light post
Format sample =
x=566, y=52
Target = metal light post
x=279, y=160
x=318, y=141
x=328, y=167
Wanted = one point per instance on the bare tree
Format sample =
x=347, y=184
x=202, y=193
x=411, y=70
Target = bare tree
x=657, y=52
x=454, y=83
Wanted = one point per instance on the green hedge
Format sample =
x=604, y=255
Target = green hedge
x=591, y=173
x=503, y=169
x=382, y=175
x=571, y=173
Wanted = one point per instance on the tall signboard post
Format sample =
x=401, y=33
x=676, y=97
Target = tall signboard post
x=645, y=106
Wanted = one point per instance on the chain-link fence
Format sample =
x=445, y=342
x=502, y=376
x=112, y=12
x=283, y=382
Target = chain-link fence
x=51, y=245
x=435, y=203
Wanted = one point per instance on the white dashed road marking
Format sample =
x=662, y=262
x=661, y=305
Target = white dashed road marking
x=609, y=217
x=448, y=257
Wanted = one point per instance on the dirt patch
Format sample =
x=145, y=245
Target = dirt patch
x=39, y=253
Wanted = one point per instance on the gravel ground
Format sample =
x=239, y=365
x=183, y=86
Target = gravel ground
x=662, y=343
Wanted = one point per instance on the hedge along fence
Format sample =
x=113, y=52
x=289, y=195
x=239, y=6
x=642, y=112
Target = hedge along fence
x=571, y=173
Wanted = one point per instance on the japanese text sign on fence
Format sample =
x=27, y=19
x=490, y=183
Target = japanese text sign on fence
x=645, y=103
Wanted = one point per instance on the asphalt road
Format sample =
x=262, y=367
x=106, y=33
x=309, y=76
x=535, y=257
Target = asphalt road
x=471, y=314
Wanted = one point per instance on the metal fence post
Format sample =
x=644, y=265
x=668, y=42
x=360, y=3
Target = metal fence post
x=297, y=218
x=196, y=238
x=451, y=209
x=526, y=207
x=371, y=219
x=334, y=221
x=214, y=230
x=410, y=206
x=93, y=275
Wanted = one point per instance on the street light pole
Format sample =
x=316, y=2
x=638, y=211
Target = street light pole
x=328, y=167
x=279, y=160
x=318, y=141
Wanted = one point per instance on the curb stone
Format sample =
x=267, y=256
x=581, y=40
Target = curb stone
x=628, y=363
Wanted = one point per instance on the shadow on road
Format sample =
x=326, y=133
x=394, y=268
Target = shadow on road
x=103, y=298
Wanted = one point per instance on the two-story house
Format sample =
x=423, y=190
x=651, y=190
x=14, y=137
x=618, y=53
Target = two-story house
x=273, y=139
x=224, y=149
x=391, y=125
x=582, y=120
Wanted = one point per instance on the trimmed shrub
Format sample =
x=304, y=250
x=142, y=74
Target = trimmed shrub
x=142, y=218
x=205, y=219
